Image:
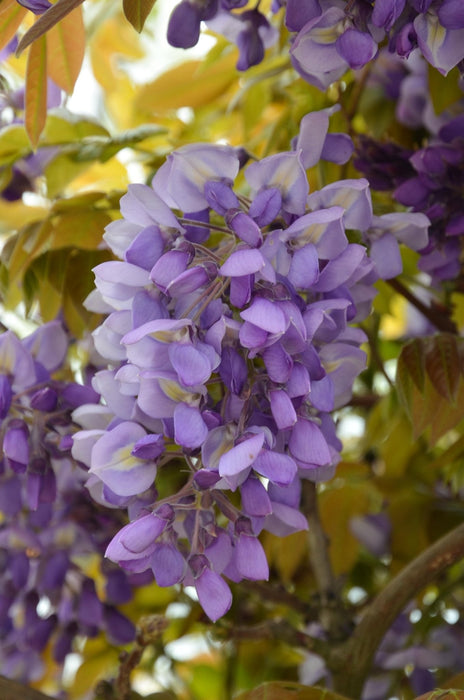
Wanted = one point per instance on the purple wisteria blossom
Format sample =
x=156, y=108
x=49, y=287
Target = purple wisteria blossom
x=230, y=344
x=330, y=36
x=428, y=180
x=38, y=7
x=50, y=526
x=333, y=36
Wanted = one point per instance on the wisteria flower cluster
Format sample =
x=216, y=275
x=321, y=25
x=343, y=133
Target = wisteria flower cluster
x=333, y=35
x=427, y=179
x=330, y=36
x=229, y=345
x=50, y=524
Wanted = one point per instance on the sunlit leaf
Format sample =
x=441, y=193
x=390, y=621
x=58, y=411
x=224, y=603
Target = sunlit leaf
x=111, y=174
x=113, y=38
x=66, y=46
x=11, y=16
x=187, y=85
x=137, y=11
x=36, y=90
x=64, y=127
x=13, y=215
x=46, y=21
x=14, y=143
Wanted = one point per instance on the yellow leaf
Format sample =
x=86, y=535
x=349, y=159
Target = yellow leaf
x=11, y=16
x=112, y=39
x=100, y=661
x=111, y=175
x=66, y=48
x=46, y=21
x=13, y=215
x=14, y=144
x=188, y=85
x=82, y=229
x=337, y=507
x=36, y=90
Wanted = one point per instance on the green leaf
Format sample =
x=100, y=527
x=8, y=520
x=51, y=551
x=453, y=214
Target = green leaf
x=444, y=90
x=65, y=127
x=282, y=690
x=14, y=144
x=137, y=11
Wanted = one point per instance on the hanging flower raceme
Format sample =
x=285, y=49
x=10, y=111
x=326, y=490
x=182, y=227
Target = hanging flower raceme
x=333, y=36
x=50, y=525
x=329, y=36
x=229, y=344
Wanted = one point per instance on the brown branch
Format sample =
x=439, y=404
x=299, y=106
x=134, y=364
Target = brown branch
x=150, y=630
x=352, y=661
x=12, y=690
x=438, y=317
x=279, y=595
x=280, y=630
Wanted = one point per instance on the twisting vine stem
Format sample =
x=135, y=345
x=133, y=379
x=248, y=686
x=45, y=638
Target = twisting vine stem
x=352, y=660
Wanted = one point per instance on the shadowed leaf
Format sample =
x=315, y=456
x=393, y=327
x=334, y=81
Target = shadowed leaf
x=137, y=11
x=413, y=358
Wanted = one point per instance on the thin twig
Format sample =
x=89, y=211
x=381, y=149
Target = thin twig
x=439, y=319
x=150, y=630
